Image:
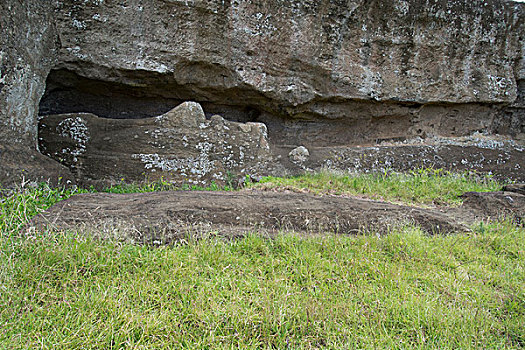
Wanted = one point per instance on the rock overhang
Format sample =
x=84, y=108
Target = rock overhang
x=454, y=51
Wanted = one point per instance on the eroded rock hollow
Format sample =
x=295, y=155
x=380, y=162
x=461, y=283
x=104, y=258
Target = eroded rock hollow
x=405, y=83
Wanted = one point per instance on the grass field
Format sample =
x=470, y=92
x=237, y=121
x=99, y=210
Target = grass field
x=421, y=186
x=402, y=290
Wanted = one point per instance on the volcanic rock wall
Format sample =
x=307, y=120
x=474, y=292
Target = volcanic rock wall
x=27, y=53
x=298, y=52
x=318, y=73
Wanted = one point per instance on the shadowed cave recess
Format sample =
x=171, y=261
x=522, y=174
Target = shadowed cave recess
x=318, y=123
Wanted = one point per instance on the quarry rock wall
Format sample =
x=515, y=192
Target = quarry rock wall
x=318, y=73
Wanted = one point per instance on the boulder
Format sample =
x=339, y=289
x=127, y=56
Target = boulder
x=21, y=165
x=299, y=154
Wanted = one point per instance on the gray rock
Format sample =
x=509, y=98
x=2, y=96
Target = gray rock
x=505, y=164
x=299, y=154
x=316, y=73
x=27, y=53
x=302, y=51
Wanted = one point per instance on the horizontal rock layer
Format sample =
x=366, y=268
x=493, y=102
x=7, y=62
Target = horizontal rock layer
x=167, y=216
x=297, y=52
x=505, y=162
x=304, y=63
x=164, y=217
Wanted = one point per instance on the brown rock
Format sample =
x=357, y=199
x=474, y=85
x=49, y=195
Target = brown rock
x=496, y=205
x=503, y=161
x=20, y=165
x=517, y=188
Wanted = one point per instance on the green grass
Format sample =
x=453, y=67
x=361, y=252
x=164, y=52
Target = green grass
x=401, y=290
x=17, y=207
x=422, y=186
x=163, y=185
x=404, y=290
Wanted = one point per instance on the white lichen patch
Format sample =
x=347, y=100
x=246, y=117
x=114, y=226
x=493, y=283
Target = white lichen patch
x=477, y=139
x=76, y=130
x=94, y=2
x=78, y=24
x=499, y=85
x=262, y=24
x=76, y=51
x=498, y=82
x=371, y=83
x=402, y=7
x=196, y=166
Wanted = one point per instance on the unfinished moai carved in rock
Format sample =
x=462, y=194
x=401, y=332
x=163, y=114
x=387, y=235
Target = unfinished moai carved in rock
x=180, y=146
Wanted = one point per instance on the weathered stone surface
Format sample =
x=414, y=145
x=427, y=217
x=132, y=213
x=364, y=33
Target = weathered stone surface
x=295, y=52
x=27, y=53
x=517, y=188
x=179, y=146
x=27, y=48
x=168, y=216
x=480, y=155
x=22, y=165
x=346, y=72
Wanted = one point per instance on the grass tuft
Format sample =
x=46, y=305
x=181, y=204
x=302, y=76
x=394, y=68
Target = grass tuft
x=18, y=206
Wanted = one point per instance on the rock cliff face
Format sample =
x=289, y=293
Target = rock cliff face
x=27, y=53
x=317, y=73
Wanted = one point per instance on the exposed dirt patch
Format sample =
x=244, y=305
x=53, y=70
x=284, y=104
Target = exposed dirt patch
x=493, y=205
